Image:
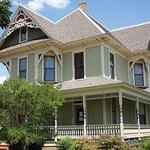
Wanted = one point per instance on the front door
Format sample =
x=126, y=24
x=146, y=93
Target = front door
x=79, y=115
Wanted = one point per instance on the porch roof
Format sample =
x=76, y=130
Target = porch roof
x=88, y=82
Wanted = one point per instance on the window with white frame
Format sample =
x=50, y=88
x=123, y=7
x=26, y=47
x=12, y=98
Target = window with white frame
x=49, y=68
x=112, y=66
x=23, y=34
x=79, y=65
x=23, y=68
x=138, y=74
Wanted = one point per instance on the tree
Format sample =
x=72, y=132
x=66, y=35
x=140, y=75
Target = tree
x=23, y=108
x=5, y=13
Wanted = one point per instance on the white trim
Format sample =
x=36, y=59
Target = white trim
x=96, y=25
x=56, y=63
x=27, y=67
x=132, y=26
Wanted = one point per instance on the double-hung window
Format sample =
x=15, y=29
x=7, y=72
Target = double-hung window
x=112, y=66
x=138, y=74
x=23, y=68
x=49, y=68
x=79, y=65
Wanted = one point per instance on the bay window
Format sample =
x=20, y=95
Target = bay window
x=49, y=68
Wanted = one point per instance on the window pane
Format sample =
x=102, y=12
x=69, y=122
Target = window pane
x=138, y=69
x=138, y=80
x=49, y=74
x=112, y=72
x=79, y=59
x=23, y=64
x=23, y=74
x=79, y=73
x=79, y=65
x=24, y=34
x=49, y=62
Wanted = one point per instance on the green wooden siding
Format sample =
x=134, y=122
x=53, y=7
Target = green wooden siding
x=94, y=112
x=65, y=114
x=129, y=112
x=67, y=66
x=14, y=68
x=106, y=61
x=121, y=68
x=93, y=61
x=31, y=67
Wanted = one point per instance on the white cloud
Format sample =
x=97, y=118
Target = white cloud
x=2, y=79
x=37, y=5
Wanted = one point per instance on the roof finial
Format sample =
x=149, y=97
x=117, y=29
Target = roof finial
x=83, y=6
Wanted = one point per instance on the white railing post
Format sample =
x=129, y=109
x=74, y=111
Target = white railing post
x=56, y=124
x=121, y=115
x=138, y=116
x=85, y=111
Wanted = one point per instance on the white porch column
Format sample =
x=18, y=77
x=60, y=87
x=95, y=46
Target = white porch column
x=138, y=116
x=56, y=124
x=146, y=111
x=85, y=112
x=121, y=115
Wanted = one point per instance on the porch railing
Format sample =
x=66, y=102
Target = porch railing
x=97, y=130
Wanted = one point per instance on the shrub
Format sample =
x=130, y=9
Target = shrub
x=108, y=142
x=144, y=144
x=66, y=144
x=84, y=143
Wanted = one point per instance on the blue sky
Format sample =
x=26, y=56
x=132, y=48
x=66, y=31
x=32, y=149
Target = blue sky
x=111, y=13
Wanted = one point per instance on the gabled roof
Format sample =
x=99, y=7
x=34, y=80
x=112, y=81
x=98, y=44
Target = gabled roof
x=75, y=26
x=135, y=37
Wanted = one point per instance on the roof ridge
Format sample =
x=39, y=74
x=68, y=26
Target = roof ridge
x=92, y=21
x=66, y=16
x=132, y=26
x=25, y=7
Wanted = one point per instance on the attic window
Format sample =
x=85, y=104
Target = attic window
x=23, y=34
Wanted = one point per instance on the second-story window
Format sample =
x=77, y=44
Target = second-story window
x=112, y=66
x=23, y=68
x=79, y=65
x=49, y=68
x=138, y=74
x=23, y=34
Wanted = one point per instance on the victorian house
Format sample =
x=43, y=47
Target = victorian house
x=104, y=74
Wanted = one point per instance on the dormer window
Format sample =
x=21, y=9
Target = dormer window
x=23, y=34
x=138, y=74
x=49, y=68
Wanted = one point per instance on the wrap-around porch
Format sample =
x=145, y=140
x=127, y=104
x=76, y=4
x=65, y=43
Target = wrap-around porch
x=117, y=113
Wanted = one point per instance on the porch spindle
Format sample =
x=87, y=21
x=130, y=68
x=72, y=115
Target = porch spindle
x=121, y=115
x=56, y=125
x=85, y=123
x=138, y=116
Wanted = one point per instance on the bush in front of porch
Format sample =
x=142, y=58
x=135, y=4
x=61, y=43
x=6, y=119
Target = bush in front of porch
x=105, y=142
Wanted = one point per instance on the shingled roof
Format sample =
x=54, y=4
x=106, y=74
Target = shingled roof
x=135, y=38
